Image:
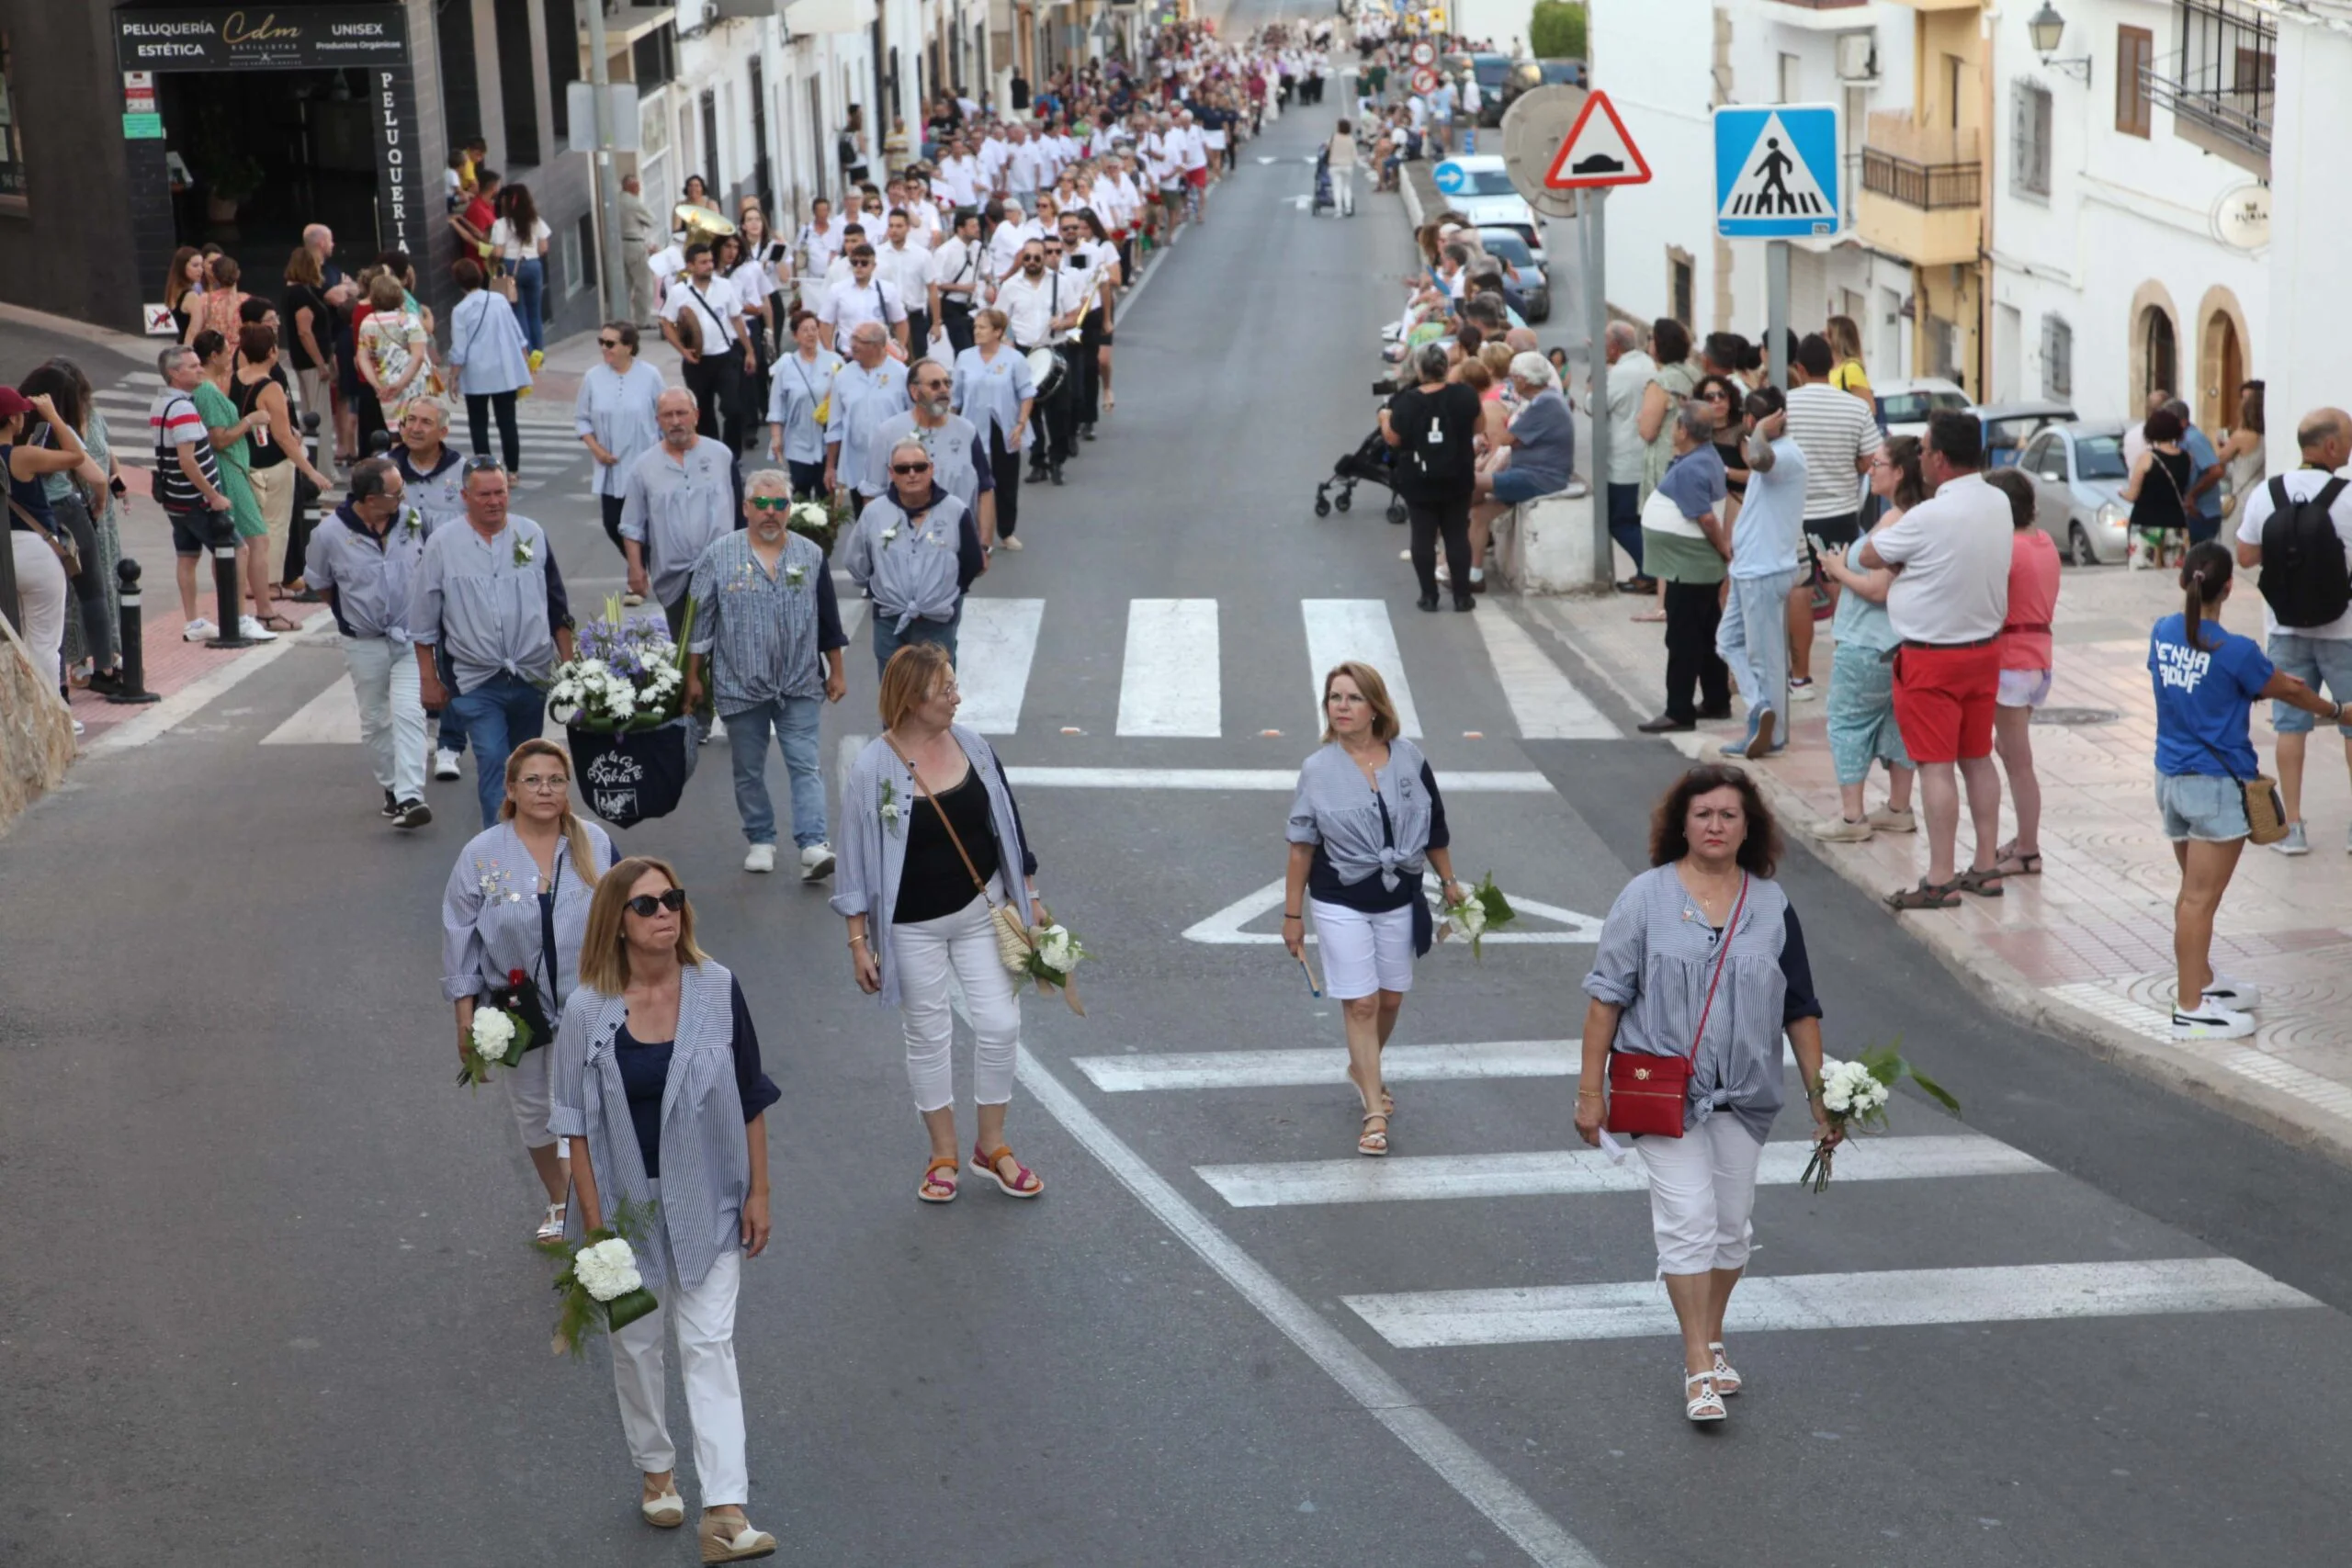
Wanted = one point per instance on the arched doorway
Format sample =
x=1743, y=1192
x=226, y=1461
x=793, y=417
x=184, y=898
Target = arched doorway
x=2159, y=354
x=2224, y=352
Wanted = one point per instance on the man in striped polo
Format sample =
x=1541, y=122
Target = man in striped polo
x=767, y=645
x=1837, y=431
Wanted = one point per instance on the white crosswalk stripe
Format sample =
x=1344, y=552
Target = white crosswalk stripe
x=1342, y=630
x=994, y=649
x=1542, y=699
x=1879, y=1299
x=1327, y=1065
x=1170, y=684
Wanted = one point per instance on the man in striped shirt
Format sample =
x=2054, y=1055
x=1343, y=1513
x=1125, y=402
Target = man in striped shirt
x=187, y=482
x=1837, y=431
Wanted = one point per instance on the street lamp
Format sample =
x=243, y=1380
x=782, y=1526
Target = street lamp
x=2046, y=28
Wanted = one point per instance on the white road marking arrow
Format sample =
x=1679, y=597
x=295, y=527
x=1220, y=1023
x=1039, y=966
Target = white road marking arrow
x=1225, y=928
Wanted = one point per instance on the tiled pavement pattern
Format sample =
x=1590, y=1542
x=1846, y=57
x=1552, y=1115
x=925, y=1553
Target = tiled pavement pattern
x=2087, y=946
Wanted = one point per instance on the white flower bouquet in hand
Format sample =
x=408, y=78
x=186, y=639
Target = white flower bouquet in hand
x=496, y=1038
x=1053, y=953
x=1482, y=909
x=600, y=1279
x=1854, y=1095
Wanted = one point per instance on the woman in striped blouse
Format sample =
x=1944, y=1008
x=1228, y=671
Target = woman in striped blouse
x=657, y=1077
x=1366, y=817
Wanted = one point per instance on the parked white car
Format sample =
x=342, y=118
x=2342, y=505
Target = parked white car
x=1484, y=194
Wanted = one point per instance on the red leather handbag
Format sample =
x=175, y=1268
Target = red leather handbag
x=1646, y=1093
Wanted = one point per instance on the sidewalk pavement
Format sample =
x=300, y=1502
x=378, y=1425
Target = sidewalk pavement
x=2086, y=948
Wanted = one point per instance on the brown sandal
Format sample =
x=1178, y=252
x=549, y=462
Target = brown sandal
x=1373, y=1141
x=1927, y=895
x=1985, y=883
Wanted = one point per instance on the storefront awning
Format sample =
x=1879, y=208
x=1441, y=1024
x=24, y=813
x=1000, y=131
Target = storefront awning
x=805, y=18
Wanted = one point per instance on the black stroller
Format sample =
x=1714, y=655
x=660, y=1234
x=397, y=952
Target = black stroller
x=1323, y=197
x=1373, y=462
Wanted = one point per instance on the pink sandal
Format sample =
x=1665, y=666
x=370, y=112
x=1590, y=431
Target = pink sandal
x=1026, y=1183
x=936, y=1187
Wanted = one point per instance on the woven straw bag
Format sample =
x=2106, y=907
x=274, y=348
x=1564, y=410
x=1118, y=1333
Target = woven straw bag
x=1013, y=944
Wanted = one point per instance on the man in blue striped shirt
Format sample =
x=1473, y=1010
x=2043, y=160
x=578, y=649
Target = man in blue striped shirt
x=767, y=646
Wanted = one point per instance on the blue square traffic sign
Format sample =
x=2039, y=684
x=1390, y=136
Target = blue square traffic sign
x=1776, y=172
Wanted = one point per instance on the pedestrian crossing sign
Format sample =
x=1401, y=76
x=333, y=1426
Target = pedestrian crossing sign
x=1776, y=172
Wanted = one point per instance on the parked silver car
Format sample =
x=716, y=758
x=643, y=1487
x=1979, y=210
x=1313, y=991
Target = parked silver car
x=2077, y=470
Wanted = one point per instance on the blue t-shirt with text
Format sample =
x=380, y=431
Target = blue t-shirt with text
x=2204, y=696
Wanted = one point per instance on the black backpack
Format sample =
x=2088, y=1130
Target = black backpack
x=2305, y=579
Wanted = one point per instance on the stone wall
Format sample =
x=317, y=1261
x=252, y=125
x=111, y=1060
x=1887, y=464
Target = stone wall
x=36, y=732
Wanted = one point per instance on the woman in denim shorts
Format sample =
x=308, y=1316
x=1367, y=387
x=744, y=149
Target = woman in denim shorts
x=2207, y=680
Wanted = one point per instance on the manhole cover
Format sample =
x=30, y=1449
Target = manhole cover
x=2076, y=715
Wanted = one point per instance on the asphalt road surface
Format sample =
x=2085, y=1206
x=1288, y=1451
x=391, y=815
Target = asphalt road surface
x=267, y=1296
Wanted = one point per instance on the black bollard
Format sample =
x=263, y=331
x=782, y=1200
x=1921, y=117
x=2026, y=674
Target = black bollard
x=133, y=686
x=227, y=633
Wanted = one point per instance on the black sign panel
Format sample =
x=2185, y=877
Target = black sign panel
x=260, y=37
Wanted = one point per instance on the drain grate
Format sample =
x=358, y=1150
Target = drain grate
x=2076, y=715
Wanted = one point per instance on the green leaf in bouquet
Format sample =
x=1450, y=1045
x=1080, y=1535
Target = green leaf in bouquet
x=622, y=1311
x=1490, y=897
x=1935, y=1091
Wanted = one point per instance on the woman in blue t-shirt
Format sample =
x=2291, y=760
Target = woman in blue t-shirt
x=2206, y=683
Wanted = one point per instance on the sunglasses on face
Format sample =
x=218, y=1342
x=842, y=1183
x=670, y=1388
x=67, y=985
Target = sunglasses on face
x=608, y=343
x=773, y=502
x=645, y=904
x=911, y=467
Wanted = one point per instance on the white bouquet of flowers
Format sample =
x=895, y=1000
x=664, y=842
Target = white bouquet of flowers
x=497, y=1039
x=600, y=1279
x=1855, y=1094
x=1482, y=908
x=1052, y=953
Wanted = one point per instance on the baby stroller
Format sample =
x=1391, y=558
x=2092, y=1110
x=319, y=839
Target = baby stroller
x=1373, y=462
x=1323, y=197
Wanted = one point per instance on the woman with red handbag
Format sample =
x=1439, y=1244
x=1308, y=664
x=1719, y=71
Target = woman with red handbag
x=1701, y=967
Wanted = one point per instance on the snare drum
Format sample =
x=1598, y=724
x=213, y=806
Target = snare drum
x=1046, y=368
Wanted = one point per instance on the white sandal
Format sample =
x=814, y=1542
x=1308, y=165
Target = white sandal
x=552, y=1227
x=1707, y=1405
x=666, y=1512
x=1727, y=1379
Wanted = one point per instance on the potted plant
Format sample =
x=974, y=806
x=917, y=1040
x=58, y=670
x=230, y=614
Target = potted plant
x=230, y=174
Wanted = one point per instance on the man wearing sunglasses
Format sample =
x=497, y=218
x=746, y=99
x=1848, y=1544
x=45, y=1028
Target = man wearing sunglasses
x=716, y=366
x=491, y=594
x=916, y=551
x=861, y=298
x=959, y=459
x=767, y=646
x=1040, y=308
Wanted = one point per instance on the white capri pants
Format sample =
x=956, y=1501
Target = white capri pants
x=1364, y=953
x=705, y=1320
x=527, y=1093
x=928, y=952
x=1702, y=1189
x=43, y=588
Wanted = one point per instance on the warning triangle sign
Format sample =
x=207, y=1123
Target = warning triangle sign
x=1775, y=181
x=1598, y=151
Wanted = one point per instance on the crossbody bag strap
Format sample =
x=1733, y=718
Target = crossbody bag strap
x=1731, y=929
x=924, y=790
x=29, y=521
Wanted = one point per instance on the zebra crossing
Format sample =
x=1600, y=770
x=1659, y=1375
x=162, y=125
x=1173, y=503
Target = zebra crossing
x=1173, y=672
x=1470, y=1315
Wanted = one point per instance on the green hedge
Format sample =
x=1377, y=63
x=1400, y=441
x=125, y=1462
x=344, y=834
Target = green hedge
x=1556, y=30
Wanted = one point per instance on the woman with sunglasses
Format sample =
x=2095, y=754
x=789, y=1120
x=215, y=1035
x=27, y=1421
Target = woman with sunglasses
x=658, y=1082
x=801, y=385
x=518, y=902
x=614, y=418
x=930, y=842
x=916, y=551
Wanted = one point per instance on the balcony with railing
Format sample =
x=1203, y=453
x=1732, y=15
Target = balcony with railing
x=1922, y=187
x=2220, y=85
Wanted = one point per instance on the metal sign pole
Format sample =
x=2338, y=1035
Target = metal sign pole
x=1776, y=310
x=615, y=289
x=1594, y=204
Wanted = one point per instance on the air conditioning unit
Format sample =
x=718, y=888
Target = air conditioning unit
x=1858, y=57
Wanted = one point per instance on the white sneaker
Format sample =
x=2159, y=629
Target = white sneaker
x=815, y=863
x=252, y=630
x=2236, y=995
x=717, y=727
x=198, y=630
x=446, y=765
x=760, y=857
x=1803, y=694
x=2211, y=1022
x=2297, y=841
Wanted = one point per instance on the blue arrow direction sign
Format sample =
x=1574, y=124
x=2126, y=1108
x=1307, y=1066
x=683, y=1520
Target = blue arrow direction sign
x=1451, y=177
x=1776, y=172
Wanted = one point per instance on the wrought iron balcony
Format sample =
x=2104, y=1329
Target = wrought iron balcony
x=2220, y=86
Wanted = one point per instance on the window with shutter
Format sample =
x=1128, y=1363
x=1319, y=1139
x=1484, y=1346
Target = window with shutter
x=2030, y=141
x=2057, y=357
x=2135, y=51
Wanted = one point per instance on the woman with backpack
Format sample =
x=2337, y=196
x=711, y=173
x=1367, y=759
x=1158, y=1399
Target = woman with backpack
x=1434, y=425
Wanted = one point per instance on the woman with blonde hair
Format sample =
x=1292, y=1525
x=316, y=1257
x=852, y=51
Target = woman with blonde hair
x=657, y=1080
x=1366, y=817
x=932, y=841
x=1846, y=343
x=517, y=903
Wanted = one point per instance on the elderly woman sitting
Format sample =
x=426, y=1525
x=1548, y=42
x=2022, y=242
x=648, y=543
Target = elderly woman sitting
x=1536, y=455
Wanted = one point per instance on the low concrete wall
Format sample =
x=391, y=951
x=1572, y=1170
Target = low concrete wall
x=1546, y=547
x=36, y=732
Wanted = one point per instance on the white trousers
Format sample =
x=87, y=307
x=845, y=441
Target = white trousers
x=705, y=1320
x=41, y=589
x=1702, y=1189
x=1343, y=190
x=391, y=712
x=528, y=1095
x=928, y=952
x=1364, y=953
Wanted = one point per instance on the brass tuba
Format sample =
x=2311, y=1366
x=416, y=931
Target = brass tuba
x=700, y=226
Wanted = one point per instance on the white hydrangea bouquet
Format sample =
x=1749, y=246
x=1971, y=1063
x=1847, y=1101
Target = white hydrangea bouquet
x=1053, y=953
x=1482, y=908
x=626, y=673
x=1855, y=1094
x=497, y=1038
x=600, y=1279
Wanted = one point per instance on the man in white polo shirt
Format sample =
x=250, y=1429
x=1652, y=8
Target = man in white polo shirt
x=1950, y=558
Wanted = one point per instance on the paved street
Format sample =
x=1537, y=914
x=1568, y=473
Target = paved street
x=267, y=1297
